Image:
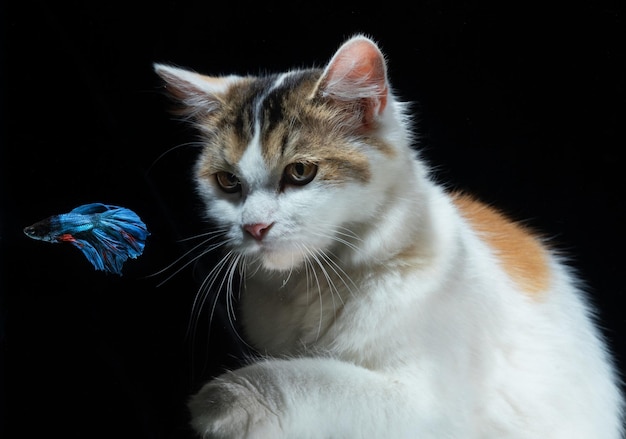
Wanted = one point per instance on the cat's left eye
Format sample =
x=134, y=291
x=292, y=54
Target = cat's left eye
x=300, y=174
x=228, y=182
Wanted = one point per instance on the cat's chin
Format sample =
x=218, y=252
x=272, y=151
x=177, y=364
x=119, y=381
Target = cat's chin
x=277, y=259
x=280, y=261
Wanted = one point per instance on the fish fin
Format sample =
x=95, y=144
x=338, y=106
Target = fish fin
x=93, y=208
x=125, y=228
x=101, y=257
x=118, y=234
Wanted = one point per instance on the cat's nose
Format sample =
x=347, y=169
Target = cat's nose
x=258, y=230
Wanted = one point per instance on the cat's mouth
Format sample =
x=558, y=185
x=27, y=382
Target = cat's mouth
x=280, y=251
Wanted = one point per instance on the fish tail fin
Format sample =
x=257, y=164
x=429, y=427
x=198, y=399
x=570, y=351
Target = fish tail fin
x=101, y=257
x=125, y=229
x=118, y=234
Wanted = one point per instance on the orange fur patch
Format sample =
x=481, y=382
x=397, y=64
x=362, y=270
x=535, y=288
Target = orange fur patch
x=521, y=253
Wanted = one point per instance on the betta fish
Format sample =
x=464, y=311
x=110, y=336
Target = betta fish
x=107, y=235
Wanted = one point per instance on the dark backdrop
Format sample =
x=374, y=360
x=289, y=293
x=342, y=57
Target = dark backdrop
x=522, y=106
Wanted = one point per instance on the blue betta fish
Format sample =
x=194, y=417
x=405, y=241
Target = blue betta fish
x=107, y=235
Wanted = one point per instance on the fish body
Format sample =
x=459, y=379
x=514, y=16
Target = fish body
x=106, y=234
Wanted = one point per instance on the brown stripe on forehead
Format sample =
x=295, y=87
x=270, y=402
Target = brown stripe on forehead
x=338, y=159
x=282, y=109
x=220, y=153
x=296, y=128
x=339, y=168
x=235, y=122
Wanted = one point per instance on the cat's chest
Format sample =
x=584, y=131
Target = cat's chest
x=288, y=318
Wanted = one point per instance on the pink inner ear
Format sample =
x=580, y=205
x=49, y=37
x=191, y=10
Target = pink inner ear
x=357, y=72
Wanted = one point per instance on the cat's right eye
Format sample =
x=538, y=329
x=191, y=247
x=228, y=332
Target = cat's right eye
x=300, y=174
x=228, y=182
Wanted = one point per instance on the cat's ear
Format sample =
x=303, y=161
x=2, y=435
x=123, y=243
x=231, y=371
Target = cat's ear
x=356, y=78
x=198, y=94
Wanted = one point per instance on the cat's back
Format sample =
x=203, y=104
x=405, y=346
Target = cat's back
x=548, y=353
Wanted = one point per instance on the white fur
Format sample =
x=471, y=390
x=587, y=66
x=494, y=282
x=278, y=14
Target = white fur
x=361, y=343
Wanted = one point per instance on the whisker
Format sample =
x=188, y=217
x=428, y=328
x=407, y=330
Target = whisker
x=288, y=275
x=213, y=286
x=347, y=233
x=345, y=242
x=186, y=264
x=210, y=233
x=320, y=257
x=331, y=284
x=232, y=316
x=307, y=259
x=174, y=148
x=340, y=272
x=205, y=250
x=256, y=265
x=238, y=265
x=341, y=235
x=206, y=287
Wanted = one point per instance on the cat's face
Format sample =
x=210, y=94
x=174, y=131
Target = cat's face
x=279, y=176
x=293, y=163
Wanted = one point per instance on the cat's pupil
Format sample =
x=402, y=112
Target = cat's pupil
x=299, y=168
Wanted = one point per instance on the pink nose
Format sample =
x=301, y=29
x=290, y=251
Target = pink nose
x=257, y=230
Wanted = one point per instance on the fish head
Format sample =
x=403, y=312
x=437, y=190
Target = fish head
x=41, y=231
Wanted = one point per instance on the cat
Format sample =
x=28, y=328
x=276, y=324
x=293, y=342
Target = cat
x=382, y=305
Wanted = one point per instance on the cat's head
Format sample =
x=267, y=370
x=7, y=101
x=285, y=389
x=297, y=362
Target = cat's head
x=298, y=164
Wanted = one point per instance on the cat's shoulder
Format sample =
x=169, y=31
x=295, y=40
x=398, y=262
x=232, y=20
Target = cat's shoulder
x=521, y=251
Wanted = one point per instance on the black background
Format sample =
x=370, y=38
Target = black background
x=524, y=106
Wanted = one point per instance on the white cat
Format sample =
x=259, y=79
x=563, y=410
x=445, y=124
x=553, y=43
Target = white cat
x=383, y=306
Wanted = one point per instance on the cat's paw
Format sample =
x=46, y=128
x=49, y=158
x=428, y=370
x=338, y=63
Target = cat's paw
x=232, y=407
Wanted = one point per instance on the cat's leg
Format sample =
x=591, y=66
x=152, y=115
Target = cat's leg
x=304, y=398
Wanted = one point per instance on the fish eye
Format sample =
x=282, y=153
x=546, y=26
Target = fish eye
x=228, y=182
x=299, y=174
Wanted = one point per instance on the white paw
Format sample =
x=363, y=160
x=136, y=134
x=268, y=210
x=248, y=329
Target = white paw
x=231, y=407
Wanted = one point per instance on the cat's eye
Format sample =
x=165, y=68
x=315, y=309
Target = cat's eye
x=228, y=182
x=300, y=174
